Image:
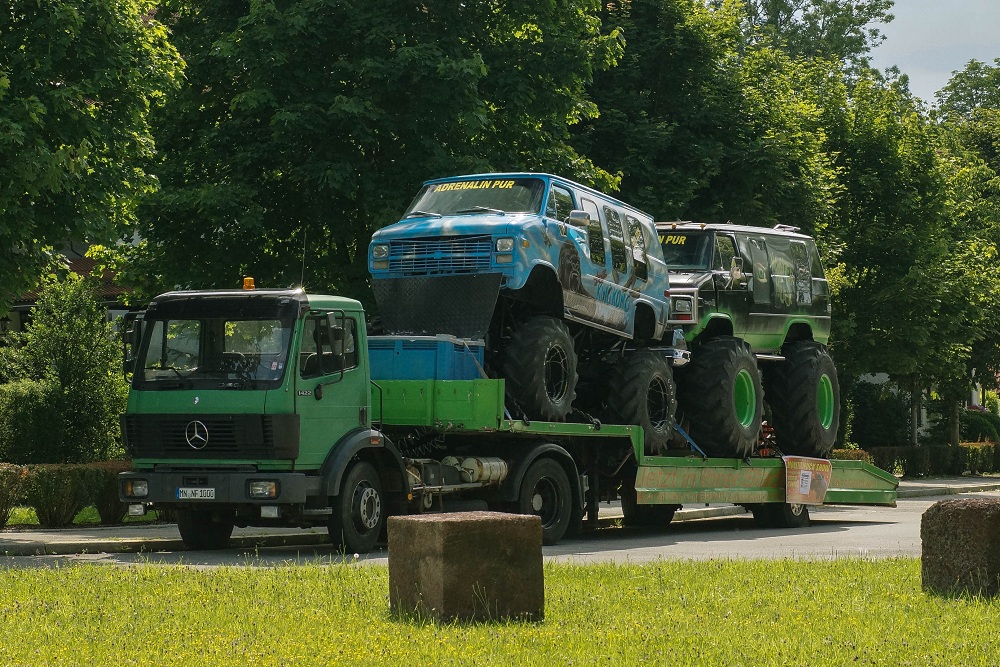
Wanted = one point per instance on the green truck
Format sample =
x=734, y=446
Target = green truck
x=276, y=408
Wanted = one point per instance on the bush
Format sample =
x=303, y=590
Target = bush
x=12, y=479
x=881, y=415
x=921, y=461
x=979, y=426
x=851, y=455
x=30, y=422
x=109, y=507
x=59, y=492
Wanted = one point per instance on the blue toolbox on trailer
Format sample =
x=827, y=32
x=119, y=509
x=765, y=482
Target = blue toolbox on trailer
x=441, y=357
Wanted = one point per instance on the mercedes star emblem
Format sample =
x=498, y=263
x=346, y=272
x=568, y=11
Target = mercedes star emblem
x=196, y=434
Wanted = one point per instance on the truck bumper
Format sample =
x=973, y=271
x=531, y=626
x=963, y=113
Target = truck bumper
x=208, y=488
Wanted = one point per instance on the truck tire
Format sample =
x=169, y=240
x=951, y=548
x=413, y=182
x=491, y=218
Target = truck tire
x=781, y=515
x=545, y=492
x=359, y=511
x=642, y=392
x=804, y=396
x=634, y=514
x=205, y=529
x=722, y=397
x=540, y=368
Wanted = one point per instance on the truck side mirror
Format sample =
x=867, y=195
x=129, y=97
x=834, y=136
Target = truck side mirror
x=578, y=218
x=736, y=270
x=130, y=345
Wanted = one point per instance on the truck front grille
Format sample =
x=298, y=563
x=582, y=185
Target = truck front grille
x=461, y=254
x=211, y=436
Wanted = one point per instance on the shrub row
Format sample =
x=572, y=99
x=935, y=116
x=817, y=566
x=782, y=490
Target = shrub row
x=58, y=492
x=973, y=457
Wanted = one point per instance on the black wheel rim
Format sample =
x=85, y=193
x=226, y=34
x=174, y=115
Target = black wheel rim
x=545, y=501
x=556, y=373
x=658, y=404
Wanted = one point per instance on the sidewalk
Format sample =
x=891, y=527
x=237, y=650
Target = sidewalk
x=164, y=537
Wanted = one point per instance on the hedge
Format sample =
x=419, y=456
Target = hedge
x=58, y=492
x=12, y=483
x=973, y=457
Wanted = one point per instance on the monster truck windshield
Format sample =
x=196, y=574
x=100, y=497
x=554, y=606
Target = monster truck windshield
x=687, y=251
x=478, y=196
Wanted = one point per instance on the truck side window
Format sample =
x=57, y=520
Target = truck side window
x=326, y=351
x=617, y=236
x=802, y=273
x=638, y=242
x=725, y=253
x=595, y=234
x=560, y=203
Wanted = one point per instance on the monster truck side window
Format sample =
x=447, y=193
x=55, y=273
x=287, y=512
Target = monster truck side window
x=638, y=242
x=560, y=203
x=782, y=271
x=761, y=271
x=595, y=234
x=802, y=273
x=725, y=253
x=617, y=236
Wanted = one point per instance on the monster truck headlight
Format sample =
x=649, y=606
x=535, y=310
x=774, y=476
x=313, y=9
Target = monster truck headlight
x=380, y=256
x=505, y=250
x=682, y=308
x=136, y=488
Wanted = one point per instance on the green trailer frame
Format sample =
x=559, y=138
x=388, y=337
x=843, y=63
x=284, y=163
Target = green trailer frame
x=477, y=406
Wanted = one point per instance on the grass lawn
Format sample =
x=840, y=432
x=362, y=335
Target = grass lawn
x=845, y=612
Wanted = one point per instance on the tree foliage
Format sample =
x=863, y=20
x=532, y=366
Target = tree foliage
x=77, y=80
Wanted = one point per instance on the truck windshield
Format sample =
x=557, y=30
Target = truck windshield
x=480, y=195
x=685, y=251
x=214, y=353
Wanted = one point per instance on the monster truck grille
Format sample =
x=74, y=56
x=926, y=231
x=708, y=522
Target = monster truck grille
x=462, y=254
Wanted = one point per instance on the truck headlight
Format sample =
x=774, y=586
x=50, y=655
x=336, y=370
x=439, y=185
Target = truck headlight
x=505, y=245
x=136, y=488
x=380, y=251
x=263, y=489
x=682, y=305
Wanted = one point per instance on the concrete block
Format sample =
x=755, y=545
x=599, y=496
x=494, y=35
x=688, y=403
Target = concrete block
x=960, y=547
x=469, y=566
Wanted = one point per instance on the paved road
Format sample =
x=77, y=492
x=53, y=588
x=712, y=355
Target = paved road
x=836, y=532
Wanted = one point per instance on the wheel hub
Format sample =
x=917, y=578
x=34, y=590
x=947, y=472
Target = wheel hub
x=367, y=507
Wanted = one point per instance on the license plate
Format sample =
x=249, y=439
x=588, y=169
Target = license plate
x=187, y=493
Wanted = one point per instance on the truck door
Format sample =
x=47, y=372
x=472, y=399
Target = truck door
x=332, y=388
x=732, y=283
x=761, y=307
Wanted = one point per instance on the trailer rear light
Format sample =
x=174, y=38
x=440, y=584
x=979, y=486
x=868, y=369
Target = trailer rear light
x=264, y=489
x=136, y=488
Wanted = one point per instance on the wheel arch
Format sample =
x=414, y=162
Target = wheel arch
x=367, y=445
x=542, y=291
x=511, y=487
x=718, y=325
x=797, y=331
x=644, y=321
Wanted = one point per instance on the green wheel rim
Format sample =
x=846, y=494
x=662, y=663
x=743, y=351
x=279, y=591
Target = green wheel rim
x=744, y=398
x=825, y=402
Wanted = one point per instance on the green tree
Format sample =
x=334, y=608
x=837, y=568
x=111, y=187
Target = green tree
x=282, y=167
x=69, y=350
x=77, y=80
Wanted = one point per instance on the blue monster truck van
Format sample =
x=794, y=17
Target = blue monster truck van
x=567, y=286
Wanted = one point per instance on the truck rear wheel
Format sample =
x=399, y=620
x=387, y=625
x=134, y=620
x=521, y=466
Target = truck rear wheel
x=359, y=511
x=723, y=398
x=540, y=368
x=804, y=396
x=642, y=392
x=205, y=529
x=781, y=515
x=545, y=492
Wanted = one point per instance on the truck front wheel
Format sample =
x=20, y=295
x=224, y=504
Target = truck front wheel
x=359, y=511
x=205, y=529
x=545, y=492
x=723, y=398
x=540, y=368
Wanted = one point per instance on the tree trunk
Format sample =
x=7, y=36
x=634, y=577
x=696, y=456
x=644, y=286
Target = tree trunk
x=915, y=396
x=953, y=432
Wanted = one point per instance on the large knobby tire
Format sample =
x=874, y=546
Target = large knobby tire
x=546, y=493
x=641, y=392
x=205, y=529
x=540, y=368
x=804, y=396
x=359, y=511
x=722, y=397
x=634, y=514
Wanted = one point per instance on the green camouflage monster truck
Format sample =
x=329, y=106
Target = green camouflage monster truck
x=754, y=305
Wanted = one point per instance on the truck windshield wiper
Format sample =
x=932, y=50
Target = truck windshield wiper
x=482, y=209
x=426, y=214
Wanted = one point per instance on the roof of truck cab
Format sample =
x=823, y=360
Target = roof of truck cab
x=298, y=295
x=728, y=227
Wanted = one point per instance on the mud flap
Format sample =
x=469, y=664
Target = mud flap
x=458, y=305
